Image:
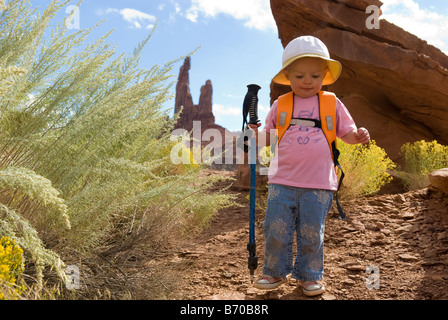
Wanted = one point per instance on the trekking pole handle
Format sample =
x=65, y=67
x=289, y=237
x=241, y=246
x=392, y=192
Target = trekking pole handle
x=252, y=95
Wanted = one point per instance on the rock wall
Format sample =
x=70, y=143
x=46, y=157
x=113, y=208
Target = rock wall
x=393, y=83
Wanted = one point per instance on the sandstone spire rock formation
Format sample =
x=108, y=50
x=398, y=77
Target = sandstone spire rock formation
x=393, y=83
x=191, y=112
x=219, y=138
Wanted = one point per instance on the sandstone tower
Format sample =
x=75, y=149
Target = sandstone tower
x=191, y=112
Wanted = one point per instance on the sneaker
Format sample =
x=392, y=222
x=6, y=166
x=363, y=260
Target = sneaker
x=267, y=282
x=312, y=288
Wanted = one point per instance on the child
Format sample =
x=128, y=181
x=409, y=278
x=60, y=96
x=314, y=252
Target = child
x=302, y=185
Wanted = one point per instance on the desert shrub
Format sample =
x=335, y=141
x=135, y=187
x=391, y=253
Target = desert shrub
x=84, y=145
x=365, y=168
x=421, y=158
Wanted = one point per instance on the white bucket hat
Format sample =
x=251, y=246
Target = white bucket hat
x=308, y=46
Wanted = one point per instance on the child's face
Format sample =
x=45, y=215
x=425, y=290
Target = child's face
x=306, y=76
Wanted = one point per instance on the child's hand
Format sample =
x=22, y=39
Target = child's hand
x=254, y=127
x=362, y=136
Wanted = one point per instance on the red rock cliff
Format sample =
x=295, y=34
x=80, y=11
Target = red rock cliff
x=393, y=83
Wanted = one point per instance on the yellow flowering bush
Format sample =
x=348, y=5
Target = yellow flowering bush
x=11, y=269
x=365, y=168
x=423, y=157
x=265, y=156
x=420, y=159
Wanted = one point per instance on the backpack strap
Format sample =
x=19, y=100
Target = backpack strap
x=327, y=110
x=285, y=105
x=327, y=107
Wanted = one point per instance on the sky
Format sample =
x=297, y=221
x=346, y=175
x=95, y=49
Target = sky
x=235, y=42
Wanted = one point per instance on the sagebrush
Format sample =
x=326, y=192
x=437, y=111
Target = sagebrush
x=84, y=145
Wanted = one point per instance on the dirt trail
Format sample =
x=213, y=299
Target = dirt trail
x=402, y=239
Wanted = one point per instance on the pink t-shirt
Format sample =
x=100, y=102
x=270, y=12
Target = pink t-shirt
x=303, y=157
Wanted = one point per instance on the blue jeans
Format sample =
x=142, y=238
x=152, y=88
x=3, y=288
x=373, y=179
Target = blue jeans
x=289, y=210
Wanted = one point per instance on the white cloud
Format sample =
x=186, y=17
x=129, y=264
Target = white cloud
x=262, y=108
x=426, y=24
x=219, y=109
x=256, y=13
x=177, y=11
x=136, y=18
x=222, y=112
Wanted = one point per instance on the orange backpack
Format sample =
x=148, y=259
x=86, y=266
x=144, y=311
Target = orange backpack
x=327, y=122
x=327, y=111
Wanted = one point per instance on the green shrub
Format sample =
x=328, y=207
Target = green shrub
x=365, y=168
x=84, y=145
x=420, y=159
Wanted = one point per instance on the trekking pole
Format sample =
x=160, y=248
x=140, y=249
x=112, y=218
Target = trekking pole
x=250, y=106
